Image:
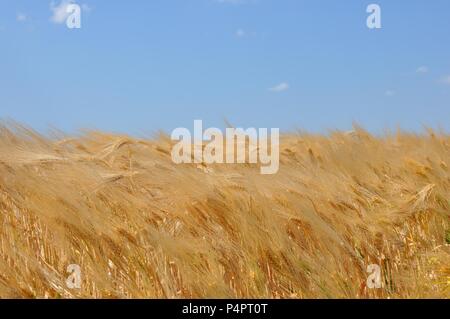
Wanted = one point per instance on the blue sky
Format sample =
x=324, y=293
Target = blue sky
x=139, y=66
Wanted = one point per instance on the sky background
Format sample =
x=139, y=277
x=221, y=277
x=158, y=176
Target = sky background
x=139, y=66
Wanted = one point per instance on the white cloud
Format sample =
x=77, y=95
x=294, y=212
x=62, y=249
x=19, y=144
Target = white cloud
x=446, y=79
x=240, y=33
x=422, y=69
x=59, y=11
x=280, y=87
x=389, y=93
x=21, y=17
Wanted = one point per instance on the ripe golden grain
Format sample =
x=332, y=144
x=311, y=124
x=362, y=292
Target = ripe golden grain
x=140, y=226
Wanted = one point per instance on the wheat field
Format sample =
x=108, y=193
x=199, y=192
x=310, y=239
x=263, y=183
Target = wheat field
x=140, y=226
